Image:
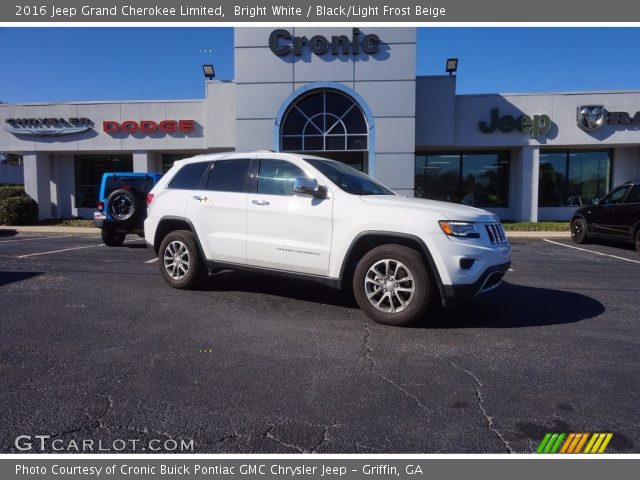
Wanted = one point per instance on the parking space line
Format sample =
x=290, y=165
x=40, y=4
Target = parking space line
x=35, y=238
x=591, y=251
x=69, y=249
x=153, y=260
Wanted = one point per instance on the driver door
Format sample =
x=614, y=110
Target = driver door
x=287, y=231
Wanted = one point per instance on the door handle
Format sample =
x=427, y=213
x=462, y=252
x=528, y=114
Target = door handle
x=259, y=202
x=199, y=198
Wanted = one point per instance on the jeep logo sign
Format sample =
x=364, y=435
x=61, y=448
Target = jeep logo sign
x=524, y=123
x=281, y=42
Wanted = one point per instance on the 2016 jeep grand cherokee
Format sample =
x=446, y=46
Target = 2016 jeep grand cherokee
x=315, y=218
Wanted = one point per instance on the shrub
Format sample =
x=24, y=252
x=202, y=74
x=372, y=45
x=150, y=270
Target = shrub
x=8, y=191
x=22, y=210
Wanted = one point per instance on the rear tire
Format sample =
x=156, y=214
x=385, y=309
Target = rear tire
x=180, y=262
x=637, y=239
x=391, y=285
x=112, y=238
x=579, y=231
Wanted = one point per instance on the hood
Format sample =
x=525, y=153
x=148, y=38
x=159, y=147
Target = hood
x=449, y=211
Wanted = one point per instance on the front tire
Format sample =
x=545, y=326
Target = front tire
x=391, y=285
x=181, y=264
x=579, y=231
x=637, y=239
x=112, y=238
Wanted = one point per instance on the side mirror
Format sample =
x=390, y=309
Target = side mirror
x=309, y=186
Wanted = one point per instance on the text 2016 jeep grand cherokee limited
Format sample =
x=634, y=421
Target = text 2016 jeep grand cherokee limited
x=315, y=218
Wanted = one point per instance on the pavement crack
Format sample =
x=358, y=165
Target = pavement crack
x=368, y=355
x=324, y=439
x=271, y=436
x=268, y=433
x=105, y=412
x=483, y=410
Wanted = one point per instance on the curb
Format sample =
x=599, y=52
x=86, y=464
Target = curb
x=49, y=229
x=531, y=234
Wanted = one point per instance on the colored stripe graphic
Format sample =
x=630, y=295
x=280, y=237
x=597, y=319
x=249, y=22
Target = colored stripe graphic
x=574, y=442
x=581, y=443
x=543, y=443
x=593, y=439
x=556, y=445
x=567, y=443
x=598, y=443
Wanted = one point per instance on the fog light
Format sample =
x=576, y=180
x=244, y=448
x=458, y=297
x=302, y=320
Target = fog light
x=467, y=263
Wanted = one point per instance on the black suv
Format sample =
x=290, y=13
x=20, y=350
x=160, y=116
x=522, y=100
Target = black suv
x=615, y=217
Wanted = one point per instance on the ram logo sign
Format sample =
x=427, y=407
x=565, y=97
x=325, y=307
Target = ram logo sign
x=591, y=117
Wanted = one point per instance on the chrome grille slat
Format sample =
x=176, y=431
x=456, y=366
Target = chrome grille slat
x=496, y=233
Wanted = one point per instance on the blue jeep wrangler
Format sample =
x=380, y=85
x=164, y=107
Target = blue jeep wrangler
x=122, y=204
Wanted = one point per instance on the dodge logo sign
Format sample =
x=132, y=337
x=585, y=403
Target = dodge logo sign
x=591, y=117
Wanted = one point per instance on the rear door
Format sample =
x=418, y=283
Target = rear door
x=218, y=210
x=630, y=212
x=608, y=216
x=287, y=231
x=175, y=197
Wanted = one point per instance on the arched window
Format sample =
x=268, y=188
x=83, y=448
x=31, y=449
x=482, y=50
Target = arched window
x=324, y=120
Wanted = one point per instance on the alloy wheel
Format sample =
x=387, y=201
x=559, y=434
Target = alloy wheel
x=176, y=260
x=389, y=285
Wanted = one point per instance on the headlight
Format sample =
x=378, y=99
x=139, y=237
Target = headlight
x=459, y=229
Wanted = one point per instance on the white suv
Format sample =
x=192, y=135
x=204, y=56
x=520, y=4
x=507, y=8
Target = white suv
x=314, y=218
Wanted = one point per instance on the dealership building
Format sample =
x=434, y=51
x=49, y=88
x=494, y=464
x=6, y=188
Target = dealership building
x=348, y=94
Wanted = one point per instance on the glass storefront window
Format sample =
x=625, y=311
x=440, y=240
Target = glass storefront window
x=169, y=158
x=88, y=173
x=479, y=179
x=324, y=121
x=573, y=177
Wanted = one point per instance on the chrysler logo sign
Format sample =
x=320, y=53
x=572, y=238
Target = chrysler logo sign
x=48, y=126
x=591, y=117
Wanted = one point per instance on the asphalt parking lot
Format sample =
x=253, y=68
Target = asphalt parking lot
x=94, y=345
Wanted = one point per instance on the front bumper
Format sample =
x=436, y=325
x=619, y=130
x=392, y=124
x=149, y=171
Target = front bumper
x=490, y=279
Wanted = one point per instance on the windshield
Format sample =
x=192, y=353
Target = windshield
x=349, y=179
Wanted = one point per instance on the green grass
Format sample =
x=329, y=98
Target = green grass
x=67, y=222
x=536, y=226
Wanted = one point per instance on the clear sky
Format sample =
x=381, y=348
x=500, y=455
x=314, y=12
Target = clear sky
x=62, y=64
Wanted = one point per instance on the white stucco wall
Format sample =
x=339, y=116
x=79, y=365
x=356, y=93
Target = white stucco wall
x=385, y=80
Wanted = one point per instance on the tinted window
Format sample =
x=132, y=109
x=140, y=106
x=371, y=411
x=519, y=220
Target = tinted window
x=229, y=176
x=277, y=176
x=615, y=197
x=634, y=195
x=138, y=184
x=188, y=178
x=349, y=179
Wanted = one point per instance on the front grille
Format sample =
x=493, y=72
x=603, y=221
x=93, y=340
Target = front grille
x=496, y=233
